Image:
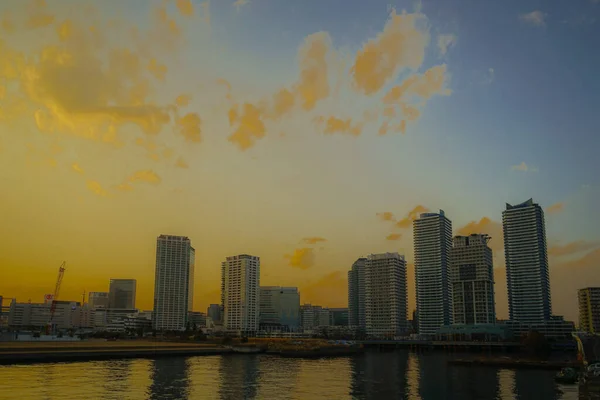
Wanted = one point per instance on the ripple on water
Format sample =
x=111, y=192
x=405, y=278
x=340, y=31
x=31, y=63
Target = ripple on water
x=397, y=375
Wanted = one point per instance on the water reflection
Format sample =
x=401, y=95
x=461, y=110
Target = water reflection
x=373, y=375
x=170, y=379
x=380, y=375
x=239, y=376
x=116, y=377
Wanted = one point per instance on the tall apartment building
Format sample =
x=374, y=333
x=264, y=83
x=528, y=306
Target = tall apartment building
x=432, y=243
x=121, y=294
x=472, y=279
x=356, y=294
x=385, y=294
x=279, y=307
x=173, y=282
x=98, y=300
x=526, y=257
x=241, y=291
x=589, y=309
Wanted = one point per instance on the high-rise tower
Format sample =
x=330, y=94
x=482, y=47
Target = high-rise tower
x=472, y=278
x=385, y=294
x=173, y=282
x=241, y=290
x=356, y=294
x=526, y=257
x=432, y=243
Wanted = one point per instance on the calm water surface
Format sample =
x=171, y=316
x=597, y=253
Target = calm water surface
x=397, y=375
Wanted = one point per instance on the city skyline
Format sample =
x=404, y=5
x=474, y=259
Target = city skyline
x=109, y=138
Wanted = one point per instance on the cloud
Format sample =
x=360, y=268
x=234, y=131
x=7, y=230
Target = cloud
x=314, y=240
x=337, y=125
x=189, y=126
x=401, y=45
x=181, y=163
x=535, y=18
x=240, y=3
x=185, y=7
x=386, y=216
x=313, y=85
x=406, y=99
x=412, y=215
x=445, y=42
x=250, y=125
x=486, y=226
x=147, y=176
x=491, y=76
x=75, y=167
x=96, y=188
x=523, y=167
x=125, y=187
x=394, y=236
x=572, y=248
x=555, y=208
x=303, y=258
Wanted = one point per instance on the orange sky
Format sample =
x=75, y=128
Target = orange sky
x=116, y=127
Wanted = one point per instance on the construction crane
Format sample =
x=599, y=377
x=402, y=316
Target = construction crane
x=61, y=272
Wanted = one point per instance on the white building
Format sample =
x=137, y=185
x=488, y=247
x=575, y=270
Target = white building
x=98, y=300
x=526, y=263
x=67, y=315
x=432, y=243
x=385, y=295
x=356, y=294
x=173, y=282
x=279, y=308
x=472, y=278
x=241, y=283
x=121, y=293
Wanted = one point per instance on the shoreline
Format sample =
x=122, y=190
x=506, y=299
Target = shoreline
x=515, y=363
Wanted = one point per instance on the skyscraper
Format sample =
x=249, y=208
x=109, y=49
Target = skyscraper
x=241, y=283
x=472, y=278
x=385, y=294
x=121, y=294
x=432, y=242
x=526, y=263
x=98, y=300
x=356, y=294
x=589, y=309
x=173, y=282
x=280, y=307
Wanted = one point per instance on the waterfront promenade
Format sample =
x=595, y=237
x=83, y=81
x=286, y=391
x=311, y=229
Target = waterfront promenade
x=28, y=352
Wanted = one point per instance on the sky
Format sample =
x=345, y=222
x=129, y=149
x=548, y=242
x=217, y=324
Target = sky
x=307, y=133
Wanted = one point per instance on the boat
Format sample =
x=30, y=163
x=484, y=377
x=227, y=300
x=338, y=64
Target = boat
x=567, y=376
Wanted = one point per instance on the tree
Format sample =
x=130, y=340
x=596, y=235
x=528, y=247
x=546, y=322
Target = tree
x=194, y=327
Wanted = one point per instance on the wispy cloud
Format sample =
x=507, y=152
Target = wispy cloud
x=535, y=18
x=555, y=208
x=313, y=240
x=394, y=236
x=445, y=42
x=412, y=215
x=568, y=249
x=75, y=167
x=386, y=216
x=303, y=258
x=240, y=3
x=524, y=167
